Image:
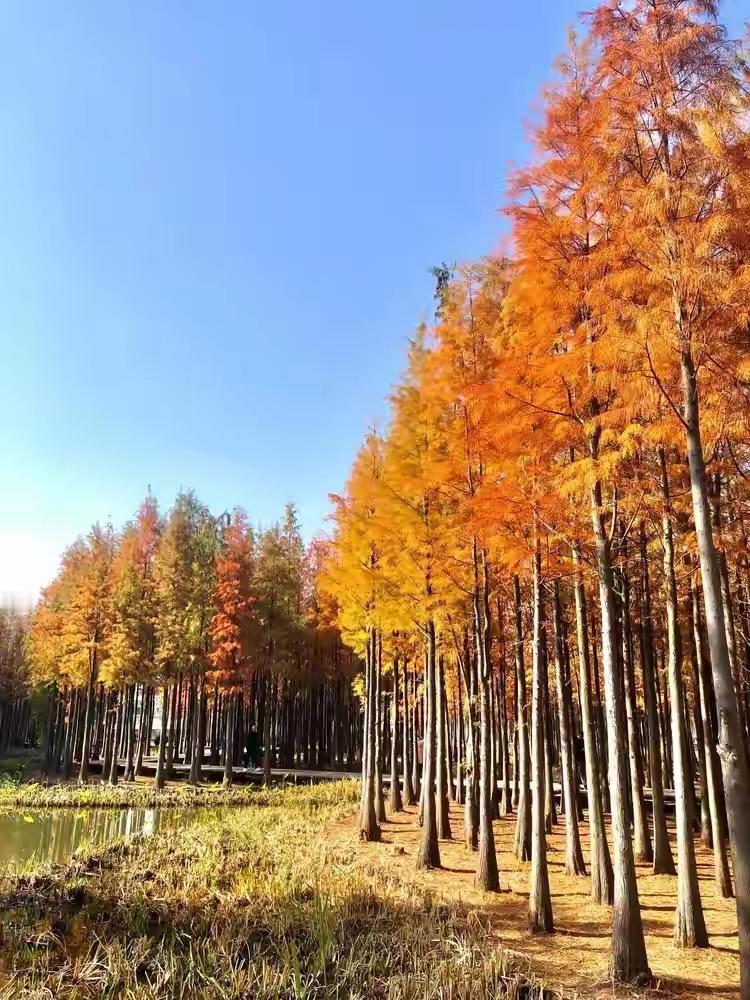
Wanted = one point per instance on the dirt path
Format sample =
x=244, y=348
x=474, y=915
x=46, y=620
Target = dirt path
x=575, y=957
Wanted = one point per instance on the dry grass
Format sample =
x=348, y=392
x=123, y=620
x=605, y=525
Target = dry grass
x=254, y=905
x=140, y=794
x=574, y=958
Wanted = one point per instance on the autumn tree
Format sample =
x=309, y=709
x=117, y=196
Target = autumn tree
x=229, y=626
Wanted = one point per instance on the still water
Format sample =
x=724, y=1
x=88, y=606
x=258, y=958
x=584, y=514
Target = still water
x=53, y=834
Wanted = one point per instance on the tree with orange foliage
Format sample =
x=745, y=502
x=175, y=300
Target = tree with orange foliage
x=560, y=233
x=131, y=654
x=229, y=626
x=677, y=147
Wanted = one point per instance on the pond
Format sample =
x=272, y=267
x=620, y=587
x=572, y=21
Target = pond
x=53, y=834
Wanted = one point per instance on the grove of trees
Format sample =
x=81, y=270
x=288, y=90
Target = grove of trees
x=221, y=623
x=544, y=559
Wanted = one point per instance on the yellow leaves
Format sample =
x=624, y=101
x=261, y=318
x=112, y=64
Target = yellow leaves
x=708, y=132
x=625, y=443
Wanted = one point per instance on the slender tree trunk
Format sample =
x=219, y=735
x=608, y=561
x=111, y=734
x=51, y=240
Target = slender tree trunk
x=174, y=711
x=471, y=760
x=663, y=863
x=540, y=901
x=406, y=762
x=229, y=712
x=523, y=817
x=731, y=750
x=396, y=802
x=53, y=713
x=143, y=729
x=429, y=851
x=196, y=758
x=574, y=863
x=88, y=718
x=601, y=726
x=697, y=715
x=416, y=780
x=641, y=838
x=113, y=770
x=493, y=748
x=690, y=927
x=628, y=961
x=550, y=812
x=109, y=736
x=379, y=795
x=160, y=777
x=369, y=828
x=60, y=730
x=70, y=733
x=130, y=707
x=267, y=726
x=506, y=798
x=487, y=877
x=443, y=806
x=722, y=878
x=602, y=878
x=460, y=738
x=449, y=744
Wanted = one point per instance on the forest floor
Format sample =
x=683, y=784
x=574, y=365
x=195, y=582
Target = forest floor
x=574, y=958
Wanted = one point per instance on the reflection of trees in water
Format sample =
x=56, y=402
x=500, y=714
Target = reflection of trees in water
x=53, y=834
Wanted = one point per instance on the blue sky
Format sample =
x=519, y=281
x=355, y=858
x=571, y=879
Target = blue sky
x=217, y=223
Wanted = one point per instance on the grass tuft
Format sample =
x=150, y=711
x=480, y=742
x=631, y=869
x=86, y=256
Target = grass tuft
x=138, y=795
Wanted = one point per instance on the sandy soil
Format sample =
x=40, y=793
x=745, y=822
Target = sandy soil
x=575, y=957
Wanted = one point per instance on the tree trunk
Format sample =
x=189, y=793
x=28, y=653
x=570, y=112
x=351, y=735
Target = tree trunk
x=697, y=716
x=663, y=863
x=628, y=961
x=109, y=735
x=161, y=775
x=379, y=795
x=731, y=750
x=602, y=878
x=641, y=838
x=487, y=877
x=130, y=725
x=88, y=718
x=429, y=851
x=722, y=877
x=409, y=797
x=690, y=927
x=574, y=864
x=196, y=757
x=396, y=802
x=471, y=760
x=415, y=772
x=143, y=734
x=114, y=764
x=267, y=729
x=368, y=827
x=229, y=711
x=540, y=901
x=443, y=806
x=523, y=818
x=506, y=798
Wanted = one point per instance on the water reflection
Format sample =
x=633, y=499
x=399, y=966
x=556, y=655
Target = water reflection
x=53, y=834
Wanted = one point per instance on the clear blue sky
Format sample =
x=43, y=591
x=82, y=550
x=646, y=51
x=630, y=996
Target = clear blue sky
x=216, y=225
